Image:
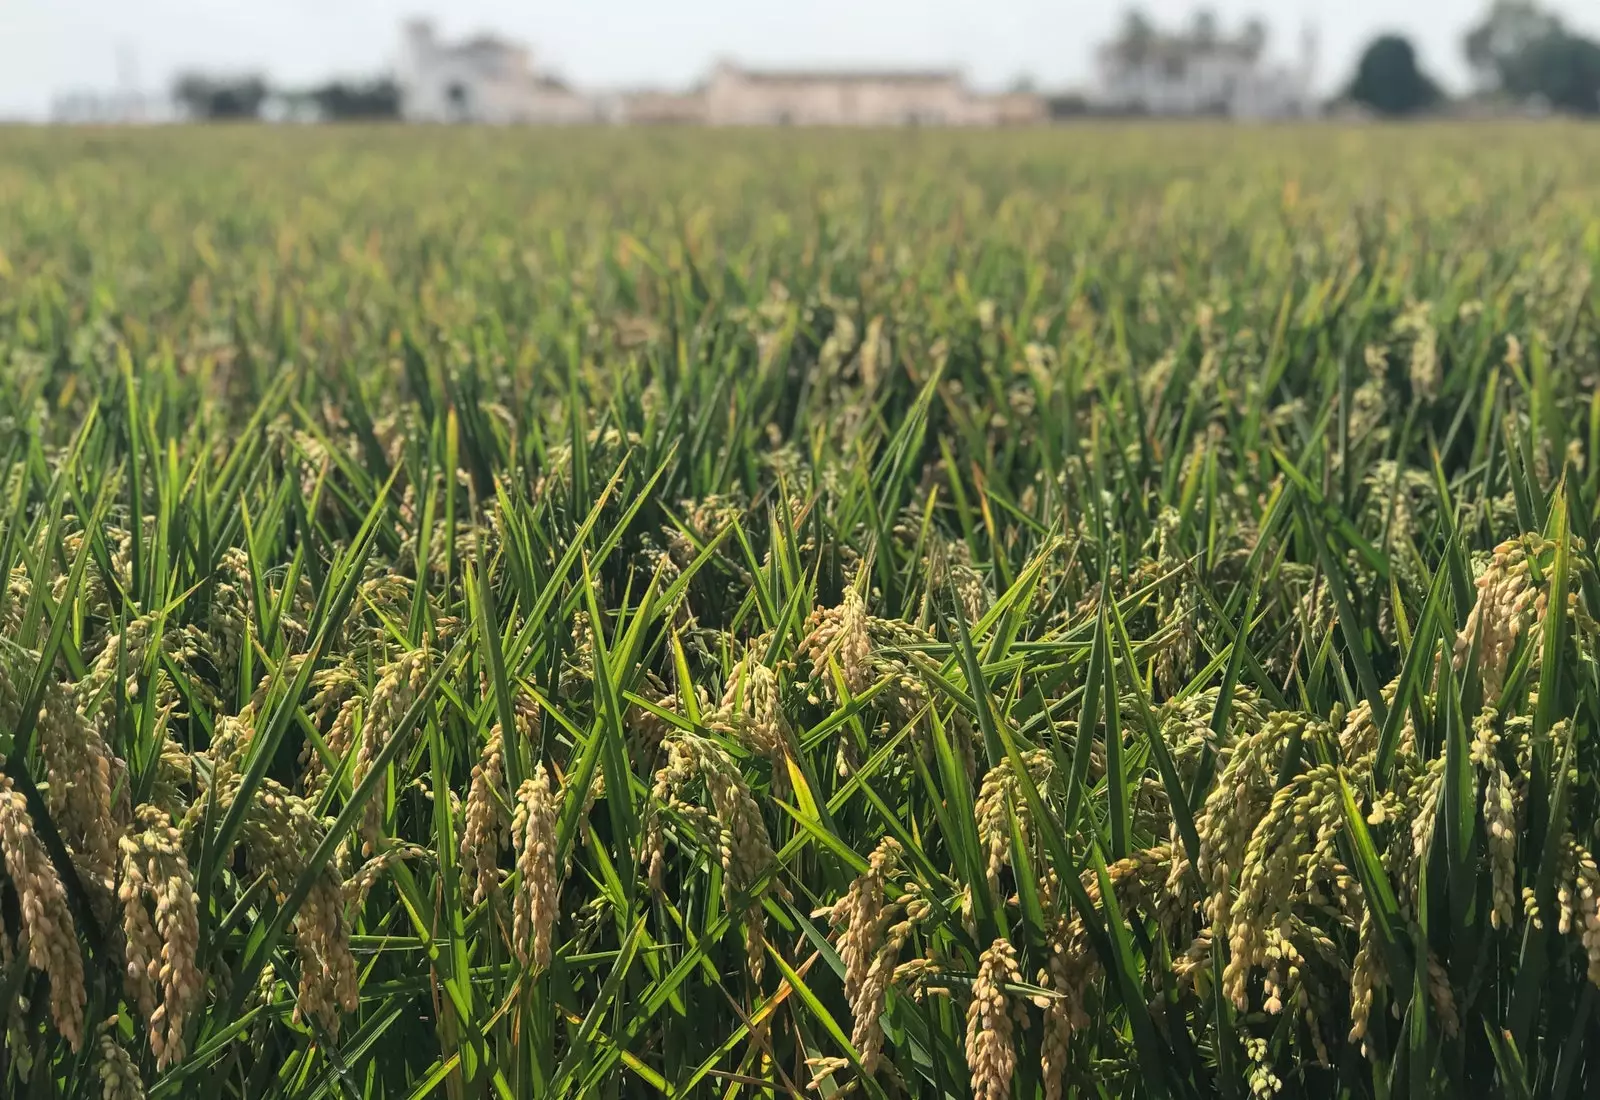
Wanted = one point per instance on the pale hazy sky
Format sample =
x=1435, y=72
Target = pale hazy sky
x=52, y=46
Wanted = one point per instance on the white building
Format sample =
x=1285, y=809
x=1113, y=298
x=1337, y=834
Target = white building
x=481, y=79
x=1202, y=73
x=488, y=79
x=738, y=96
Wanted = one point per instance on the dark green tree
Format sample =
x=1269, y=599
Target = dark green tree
x=1528, y=54
x=373, y=99
x=220, y=97
x=1137, y=36
x=1564, y=71
x=1388, y=79
x=1494, y=47
x=1254, y=36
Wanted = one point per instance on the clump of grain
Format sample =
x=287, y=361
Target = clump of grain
x=752, y=714
x=1236, y=803
x=1578, y=901
x=46, y=922
x=281, y=832
x=1177, y=606
x=1499, y=817
x=870, y=933
x=991, y=1049
x=732, y=827
x=1294, y=842
x=858, y=916
x=1367, y=977
x=1506, y=596
x=1263, y=1083
x=840, y=634
x=1000, y=802
x=336, y=691
x=534, y=832
x=80, y=768
x=867, y=1005
x=1443, y=998
x=578, y=670
x=396, y=690
x=487, y=822
x=160, y=952
x=1416, y=323
x=1066, y=973
x=119, y=1077
x=948, y=566
x=358, y=885
x=231, y=608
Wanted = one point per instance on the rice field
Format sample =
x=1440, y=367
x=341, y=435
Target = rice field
x=1105, y=612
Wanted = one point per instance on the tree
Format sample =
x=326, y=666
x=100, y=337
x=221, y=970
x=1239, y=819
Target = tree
x=1138, y=35
x=1506, y=32
x=217, y=98
x=1068, y=105
x=1388, y=80
x=1561, y=69
x=1528, y=54
x=372, y=99
x=1254, y=37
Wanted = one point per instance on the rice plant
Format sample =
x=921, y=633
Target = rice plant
x=1091, y=613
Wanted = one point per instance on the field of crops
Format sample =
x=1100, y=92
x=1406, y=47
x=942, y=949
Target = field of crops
x=1094, y=613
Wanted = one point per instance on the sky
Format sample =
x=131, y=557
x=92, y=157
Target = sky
x=49, y=47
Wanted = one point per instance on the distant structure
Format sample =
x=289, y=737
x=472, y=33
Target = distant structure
x=1202, y=72
x=739, y=96
x=481, y=79
x=120, y=108
x=125, y=105
x=658, y=108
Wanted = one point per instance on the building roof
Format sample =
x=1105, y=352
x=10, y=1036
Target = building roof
x=845, y=76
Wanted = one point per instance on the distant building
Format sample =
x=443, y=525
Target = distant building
x=481, y=79
x=737, y=96
x=124, y=104
x=653, y=108
x=88, y=108
x=488, y=79
x=1017, y=108
x=1200, y=73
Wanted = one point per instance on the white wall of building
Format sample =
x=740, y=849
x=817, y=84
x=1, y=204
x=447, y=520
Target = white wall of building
x=482, y=79
x=1173, y=80
x=740, y=97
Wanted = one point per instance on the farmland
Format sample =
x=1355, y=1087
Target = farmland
x=1096, y=612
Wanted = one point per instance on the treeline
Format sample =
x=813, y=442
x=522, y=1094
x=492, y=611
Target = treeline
x=1520, y=54
x=246, y=97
